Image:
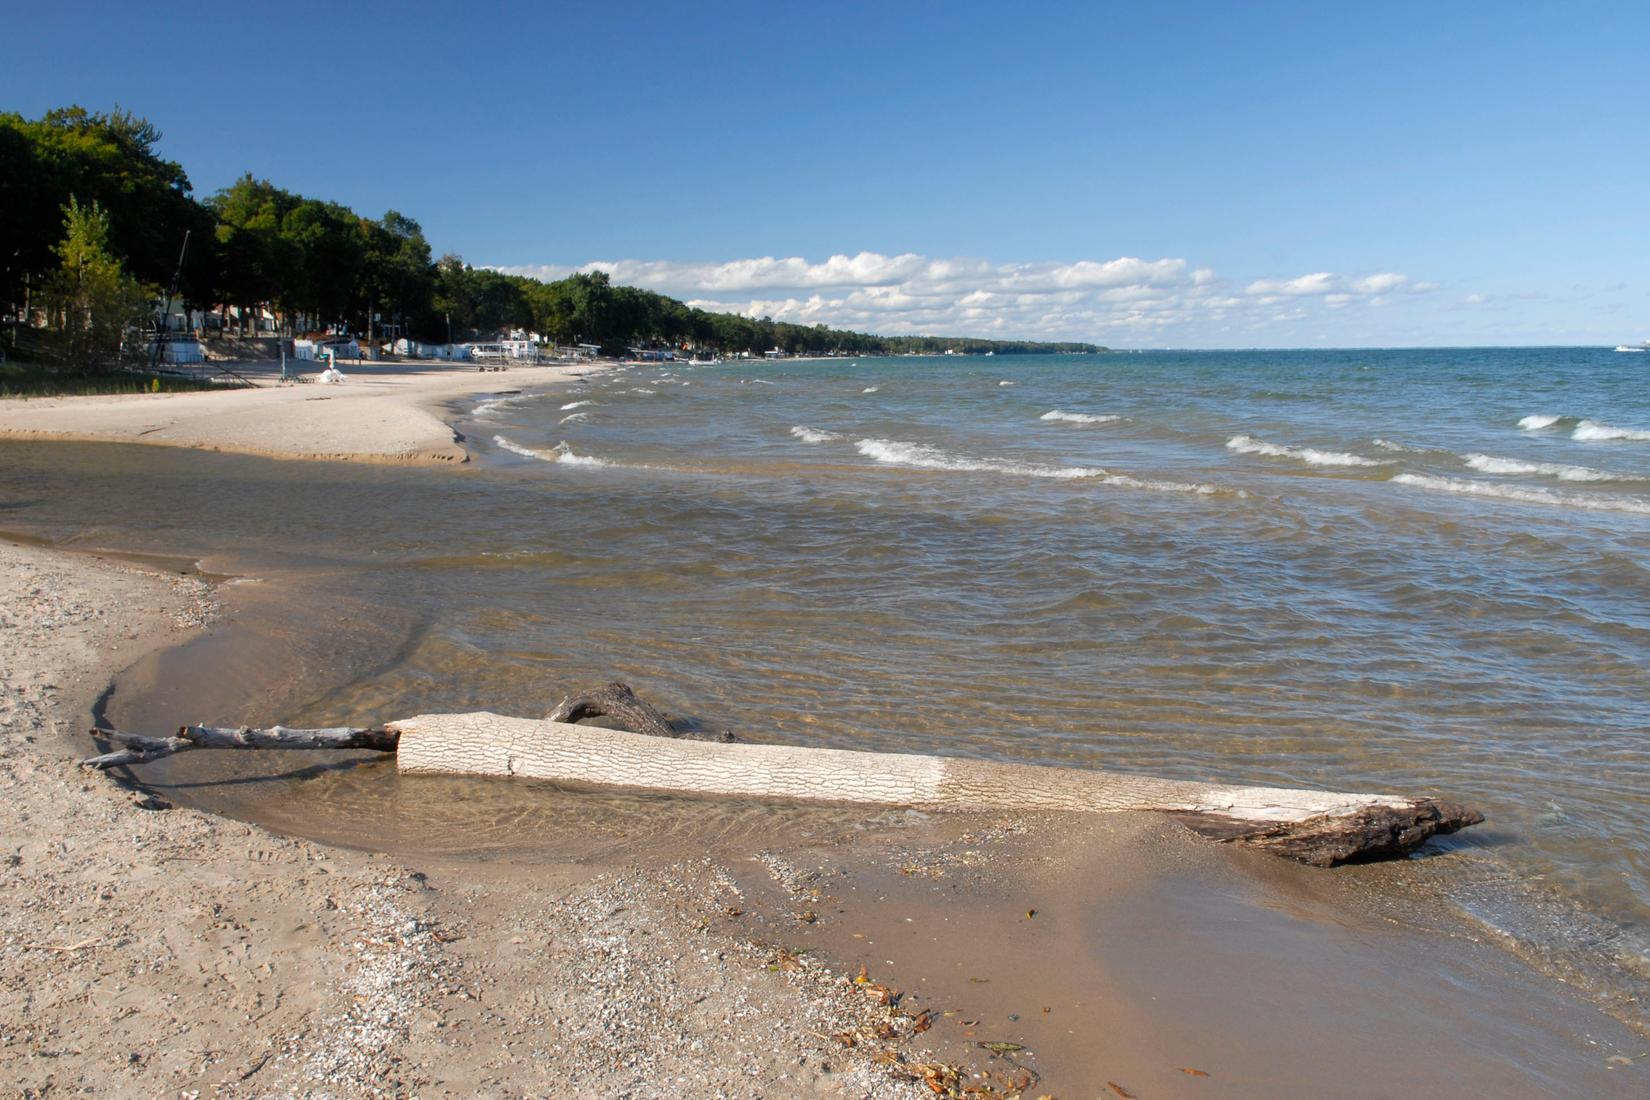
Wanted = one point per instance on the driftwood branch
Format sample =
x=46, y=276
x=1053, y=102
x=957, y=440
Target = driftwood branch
x=140, y=749
x=616, y=701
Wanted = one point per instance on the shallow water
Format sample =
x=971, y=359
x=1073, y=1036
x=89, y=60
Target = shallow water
x=1410, y=571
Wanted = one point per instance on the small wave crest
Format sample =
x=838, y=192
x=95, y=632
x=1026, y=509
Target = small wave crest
x=870, y=389
x=1078, y=418
x=1535, y=422
x=900, y=453
x=491, y=405
x=1406, y=448
x=1525, y=495
x=643, y=390
x=515, y=448
x=814, y=435
x=576, y=405
x=1249, y=445
x=561, y=452
x=564, y=454
x=1591, y=431
x=1490, y=464
x=1005, y=382
x=574, y=418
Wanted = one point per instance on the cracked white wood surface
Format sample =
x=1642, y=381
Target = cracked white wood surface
x=482, y=743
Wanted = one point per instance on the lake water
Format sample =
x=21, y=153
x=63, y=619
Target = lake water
x=1410, y=571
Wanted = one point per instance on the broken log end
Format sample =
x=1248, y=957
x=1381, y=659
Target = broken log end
x=1371, y=833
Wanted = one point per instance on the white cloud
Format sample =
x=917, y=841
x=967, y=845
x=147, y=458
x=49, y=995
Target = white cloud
x=1127, y=298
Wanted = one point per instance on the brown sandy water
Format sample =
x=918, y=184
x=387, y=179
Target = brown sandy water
x=1120, y=949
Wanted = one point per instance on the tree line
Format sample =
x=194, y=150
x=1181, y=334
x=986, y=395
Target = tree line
x=315, y=264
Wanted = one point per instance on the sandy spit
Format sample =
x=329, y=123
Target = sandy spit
x=150, y=950
x=383, y=412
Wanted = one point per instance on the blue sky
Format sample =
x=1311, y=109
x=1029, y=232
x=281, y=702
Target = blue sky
x=1141, y=175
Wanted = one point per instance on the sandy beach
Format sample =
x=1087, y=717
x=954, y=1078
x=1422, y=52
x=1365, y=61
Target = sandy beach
x=381, y=412
x=153, y=949
x=148, y=948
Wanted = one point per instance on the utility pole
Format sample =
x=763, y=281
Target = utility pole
x=166, y=313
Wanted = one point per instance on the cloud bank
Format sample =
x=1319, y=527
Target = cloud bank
x=1123, y=301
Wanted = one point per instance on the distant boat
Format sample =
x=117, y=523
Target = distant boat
x=1642, y=347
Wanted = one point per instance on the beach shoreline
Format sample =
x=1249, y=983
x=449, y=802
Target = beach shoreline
x=383, y=412
x=520, y=979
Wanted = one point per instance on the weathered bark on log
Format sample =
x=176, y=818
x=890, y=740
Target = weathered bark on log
x=140, y=749
x=616, y=701
x=1317, y=827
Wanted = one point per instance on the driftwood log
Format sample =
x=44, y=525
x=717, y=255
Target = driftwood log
x=1316, y=827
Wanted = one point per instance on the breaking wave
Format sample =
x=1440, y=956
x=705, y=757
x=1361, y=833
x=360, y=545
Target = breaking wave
x=574, y=418
x=1005, y=382
x=1525, y=495
x=870, y=389
x=1591, y=431
x=487, y=408
x=898, y=453
x=516, y=448
x=1078, y=418
x=1389, y=445
x=1249, y=445
x=1490, y=464
x=561, y=452
x=1535, y=422
x=576, y=405
x=814, y=435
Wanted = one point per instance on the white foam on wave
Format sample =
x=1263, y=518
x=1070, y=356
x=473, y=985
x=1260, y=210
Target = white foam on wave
x=574, y=418
x=1591, y=431
x=564, y=454
x=491, y=405
x=643, y=390
x=814, y=435
x=1249, y=445
x=515, y=448
x=576, y=405
x=1078, y=418
x=1535, y=422
x=561, y=453
x=896, y=452
x=1005, y=382
x=870, y=389
x=754, y=382
x=1490, y=464
x=1524, y=495
x=1390, y=445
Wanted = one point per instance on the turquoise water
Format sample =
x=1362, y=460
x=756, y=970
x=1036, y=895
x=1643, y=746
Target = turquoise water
x=1415, y=571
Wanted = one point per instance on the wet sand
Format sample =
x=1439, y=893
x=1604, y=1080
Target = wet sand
x=633, y=944
x=382, y=412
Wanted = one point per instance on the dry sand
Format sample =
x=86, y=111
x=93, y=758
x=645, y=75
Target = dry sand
x=382, y=412
x=149, y=950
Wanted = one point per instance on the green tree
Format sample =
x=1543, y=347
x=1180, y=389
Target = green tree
x=98, y=306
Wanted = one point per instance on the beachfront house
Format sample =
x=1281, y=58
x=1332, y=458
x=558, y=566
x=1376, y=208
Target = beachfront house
x=342, y=347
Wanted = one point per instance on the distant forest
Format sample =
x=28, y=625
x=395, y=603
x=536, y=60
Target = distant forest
x=318, y=265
